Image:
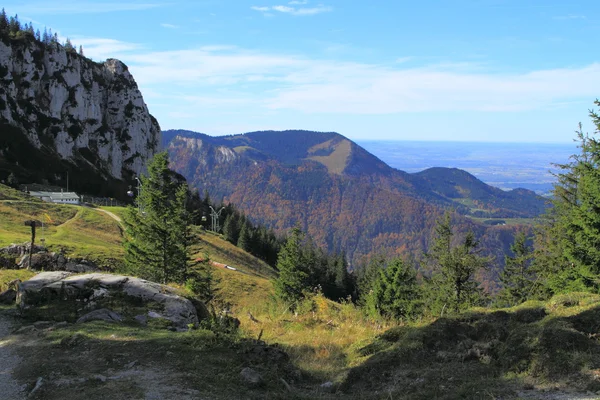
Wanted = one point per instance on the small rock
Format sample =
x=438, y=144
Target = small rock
x=251, y=377
x=38, y=385
x=26, y=329
x=327, y=387
x=73, y=340
x=100, y=378
x=102, y=314
x=43, y=324
x=142, y=319
x=131, y=364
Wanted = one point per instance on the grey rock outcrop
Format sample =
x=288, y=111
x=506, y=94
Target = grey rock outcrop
x=42, y=260
x=64, y=102
x=69, y=296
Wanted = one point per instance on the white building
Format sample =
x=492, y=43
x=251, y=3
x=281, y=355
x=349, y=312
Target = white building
x=57, y=197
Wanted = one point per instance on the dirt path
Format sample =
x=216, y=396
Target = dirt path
x=9, y=388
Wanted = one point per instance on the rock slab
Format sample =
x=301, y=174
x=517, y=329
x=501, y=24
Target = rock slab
x=73, y=296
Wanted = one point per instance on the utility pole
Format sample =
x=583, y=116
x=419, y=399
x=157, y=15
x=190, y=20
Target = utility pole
x=215, y=218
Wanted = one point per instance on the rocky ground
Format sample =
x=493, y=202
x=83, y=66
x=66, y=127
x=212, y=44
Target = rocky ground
x=9, y=387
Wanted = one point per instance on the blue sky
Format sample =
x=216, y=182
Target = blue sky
x=465, y=70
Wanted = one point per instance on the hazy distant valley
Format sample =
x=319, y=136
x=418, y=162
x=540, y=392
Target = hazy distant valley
x=504, y=165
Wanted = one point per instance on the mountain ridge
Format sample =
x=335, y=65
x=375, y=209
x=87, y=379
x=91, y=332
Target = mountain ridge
x=363, y=207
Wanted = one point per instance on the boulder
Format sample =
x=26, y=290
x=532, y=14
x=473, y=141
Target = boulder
x=8, y=296
x=19, y=250
x=66, y=296
x=7, y=261
x=39, y=262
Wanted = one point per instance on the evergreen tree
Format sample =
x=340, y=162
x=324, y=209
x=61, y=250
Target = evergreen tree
x=518, y=277
x=3, y=22
x=14, y=25
x=69, y=45
x=395, y=293
x=367, y=274
x=244, y=238
x=569, y=246
x=38, y=35
x=82, y=55
x=454, y=267
x=292, y=280
x=158, y=238
x=231, y=229
x=12, y=180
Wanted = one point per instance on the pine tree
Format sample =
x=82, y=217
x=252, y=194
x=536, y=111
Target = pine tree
x=3, y=22
x=82, y=55
x=454, y=267
x=570, y=243
x=518, y=277
x=244, y=238
x=395, y=292
x=231, y=229
x=292, y=280
x=14, y=25
x=158, y=238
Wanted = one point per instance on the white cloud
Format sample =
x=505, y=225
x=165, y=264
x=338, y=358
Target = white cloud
x=83, y=7
x=170, y=26
x=231, y=78
x=101, y=49
x=296, y=2
x=294, y=10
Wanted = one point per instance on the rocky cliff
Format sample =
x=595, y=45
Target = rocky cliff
x=73, y=108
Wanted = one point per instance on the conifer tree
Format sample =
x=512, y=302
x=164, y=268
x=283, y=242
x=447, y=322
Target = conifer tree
x=244, y=238
x=518, y=277
x=292, y=280
x=81, y=54
x=3, y=21
x=572, y=234
x=14, y=25
x=158, y=238
x=454, y=267
x=395, y=292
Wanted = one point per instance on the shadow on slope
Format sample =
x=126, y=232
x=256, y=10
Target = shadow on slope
x=487, y=354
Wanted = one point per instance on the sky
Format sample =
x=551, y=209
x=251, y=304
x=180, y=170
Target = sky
x=452, y=70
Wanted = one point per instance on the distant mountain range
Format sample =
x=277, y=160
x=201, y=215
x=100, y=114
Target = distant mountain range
x=345, y=197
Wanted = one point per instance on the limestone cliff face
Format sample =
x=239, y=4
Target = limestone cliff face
x=70, y=105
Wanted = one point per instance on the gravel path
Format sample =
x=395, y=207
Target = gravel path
x=9, y=388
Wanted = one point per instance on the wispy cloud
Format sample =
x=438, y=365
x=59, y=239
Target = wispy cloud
x=83, y=7
x=170, y=26
x=296, y=2
x=299, y=11
x=570, y=16
x=101, y=49
x=230, y=77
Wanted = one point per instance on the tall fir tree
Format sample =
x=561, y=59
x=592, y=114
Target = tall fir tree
x=158, y=233
x=518, y=278
x=292, y=280
x=3, y=21
x=244, y=240
x=569, y=246
x=452, y=283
